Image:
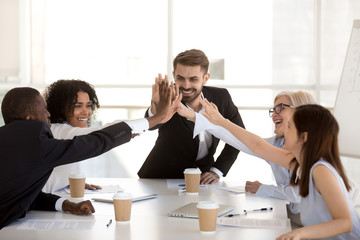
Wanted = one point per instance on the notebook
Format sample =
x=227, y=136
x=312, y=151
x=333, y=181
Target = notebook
x=190, y=211
x=136, y=198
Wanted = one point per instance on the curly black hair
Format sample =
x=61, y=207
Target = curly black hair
x=61, y=97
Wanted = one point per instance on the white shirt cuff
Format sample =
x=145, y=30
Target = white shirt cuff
x=59, y=203
x=150, y=113
x=201, y=124
x=217, y=171
x=139, y=125
x=265, y=190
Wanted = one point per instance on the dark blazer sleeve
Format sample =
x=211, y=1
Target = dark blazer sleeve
x=45, y=202
x=58, y=152
x=228, y=109
x=29, y=153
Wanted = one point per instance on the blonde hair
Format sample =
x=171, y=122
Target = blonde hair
x=297, y=98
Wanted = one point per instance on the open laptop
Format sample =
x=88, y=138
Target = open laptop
x=136, y=198
x=190, y=211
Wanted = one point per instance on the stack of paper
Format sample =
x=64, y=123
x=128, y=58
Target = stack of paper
x=254, y=223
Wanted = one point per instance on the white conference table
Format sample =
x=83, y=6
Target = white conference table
x=149, y=219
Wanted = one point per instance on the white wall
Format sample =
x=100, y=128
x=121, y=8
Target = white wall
x=9, y=38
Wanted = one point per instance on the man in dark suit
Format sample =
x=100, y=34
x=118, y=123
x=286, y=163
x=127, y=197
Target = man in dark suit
x=28, y=152
x=175, y=148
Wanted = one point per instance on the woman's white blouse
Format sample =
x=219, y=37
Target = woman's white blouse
x=59, y=177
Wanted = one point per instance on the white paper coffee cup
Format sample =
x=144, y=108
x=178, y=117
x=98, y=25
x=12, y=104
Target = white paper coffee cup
x=192, y=180
x=77, y=185
x=122, y=206
x=207, y=211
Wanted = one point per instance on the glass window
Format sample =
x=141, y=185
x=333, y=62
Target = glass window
x=256, y=48
x=336, y=24
x=293, y=42
x=240, y=32
x=10, y=64
x=105, y=42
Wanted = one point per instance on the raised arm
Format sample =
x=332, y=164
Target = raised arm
x=167, y=105
x=157, y=101
x=155, y=97
x=255, y=143
x=203, y=124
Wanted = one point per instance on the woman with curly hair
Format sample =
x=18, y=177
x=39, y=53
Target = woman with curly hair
x=62, y=101
x=71, y=104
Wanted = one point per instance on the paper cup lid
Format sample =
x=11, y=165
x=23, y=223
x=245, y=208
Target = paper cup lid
x=122, y=196
x=207, y=205
x=77, y=175
x=192, y=171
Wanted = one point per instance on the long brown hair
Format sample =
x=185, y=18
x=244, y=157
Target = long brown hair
x=322, y=143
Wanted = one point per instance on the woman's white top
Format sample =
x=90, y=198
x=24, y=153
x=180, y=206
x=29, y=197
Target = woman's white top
x=314, y=210
x=283, y=189
x=59, y=177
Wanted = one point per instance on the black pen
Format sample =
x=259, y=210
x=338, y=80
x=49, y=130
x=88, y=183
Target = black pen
x=232, y=215
x=258, y=210
x=109, y=223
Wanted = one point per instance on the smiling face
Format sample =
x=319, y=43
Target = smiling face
x=281, y=120
x=190, y=80
x=82, y=111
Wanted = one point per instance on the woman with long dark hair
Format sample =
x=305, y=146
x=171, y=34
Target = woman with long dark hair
x=311, y=152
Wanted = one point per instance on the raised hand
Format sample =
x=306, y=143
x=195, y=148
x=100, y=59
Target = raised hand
x=165, y=96
x=155, y=98
x=175, y=102
x=211, y=112
x=163, y=106
x=165, y=101
x=183, y=111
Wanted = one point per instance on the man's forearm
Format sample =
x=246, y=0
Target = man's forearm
x=154, y=120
